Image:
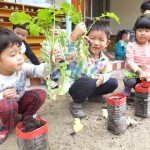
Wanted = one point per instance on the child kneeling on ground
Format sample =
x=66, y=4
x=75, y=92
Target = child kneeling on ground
x=14, y=99
x=93, y=77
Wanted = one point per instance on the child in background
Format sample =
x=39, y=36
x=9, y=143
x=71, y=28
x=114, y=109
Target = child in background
x=14, y=99
x=145, y=7
x=22, y=33
x=93, y=77
x=122, y=39
x=138, y=56
x=145, y=10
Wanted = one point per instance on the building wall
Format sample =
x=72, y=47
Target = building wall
x=127, y=11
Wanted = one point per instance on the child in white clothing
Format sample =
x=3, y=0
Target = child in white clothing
x=14, y=99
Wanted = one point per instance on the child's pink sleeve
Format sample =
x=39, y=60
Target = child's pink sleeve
x=130, y=58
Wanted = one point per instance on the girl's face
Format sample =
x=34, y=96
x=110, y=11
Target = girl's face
x=126, y=37
x=98, y=41
x=11, y=60
x=142, y=36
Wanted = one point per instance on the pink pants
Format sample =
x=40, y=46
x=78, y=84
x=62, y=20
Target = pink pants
x=31, y=101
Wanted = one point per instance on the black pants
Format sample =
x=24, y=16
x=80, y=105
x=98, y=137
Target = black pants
x=85, y=87
x=131, y=83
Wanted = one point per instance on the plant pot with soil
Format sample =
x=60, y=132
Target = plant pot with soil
x=32, y=134
x=116, y=106
x=142, y=99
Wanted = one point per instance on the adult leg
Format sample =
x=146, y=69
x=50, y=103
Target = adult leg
x=31, y=102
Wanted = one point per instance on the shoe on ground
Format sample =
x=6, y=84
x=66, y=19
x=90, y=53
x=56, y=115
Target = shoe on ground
x=77, y=111
x=3, y=134
x=127, y=92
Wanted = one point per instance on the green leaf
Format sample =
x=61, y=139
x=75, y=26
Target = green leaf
x=130, y=74
x=19, y=18
x=66, y=6
x=33, y=30
x=64, y=88
x=43, y=14
x=113, y=15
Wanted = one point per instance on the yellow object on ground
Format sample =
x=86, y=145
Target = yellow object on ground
x=78, y=126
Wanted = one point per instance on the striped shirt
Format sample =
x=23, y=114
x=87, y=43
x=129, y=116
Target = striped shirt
x=89, y=67
x=138, y=56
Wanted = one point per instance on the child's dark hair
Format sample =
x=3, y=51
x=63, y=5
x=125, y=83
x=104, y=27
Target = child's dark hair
x=120, y=34
x=145, y=6
x=143, y=23
x=8, y=38
x=22, y=26
x=102, y=26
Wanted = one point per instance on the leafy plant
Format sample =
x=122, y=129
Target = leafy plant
x=45, y=23
x=130, y=74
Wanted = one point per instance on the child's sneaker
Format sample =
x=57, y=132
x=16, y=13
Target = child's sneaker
x=36, y=116
x=77, y=111
x=55, y=75
x=3, y=134
x=54, y=84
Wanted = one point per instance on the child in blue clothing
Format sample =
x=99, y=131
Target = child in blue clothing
x=122, y=39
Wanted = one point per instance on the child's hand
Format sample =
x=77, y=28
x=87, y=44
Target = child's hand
x=99, y=80
x=142, y=75
x=79, y=30
x=58, y=55
x=10, y=93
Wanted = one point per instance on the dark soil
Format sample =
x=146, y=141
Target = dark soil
x=30, y=124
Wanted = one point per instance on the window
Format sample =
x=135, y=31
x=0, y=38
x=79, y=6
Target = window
x=94, y=8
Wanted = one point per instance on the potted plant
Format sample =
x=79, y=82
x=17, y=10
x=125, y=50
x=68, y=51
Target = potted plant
x=116, y=107
x=32, y=134
x=142, y=102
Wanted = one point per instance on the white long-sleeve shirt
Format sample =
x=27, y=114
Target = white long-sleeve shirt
x=18, y=79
